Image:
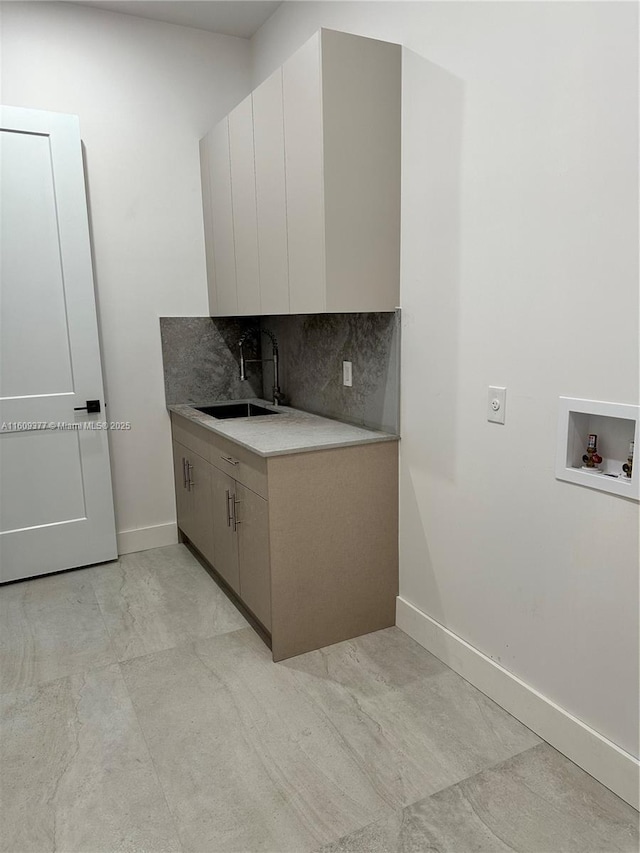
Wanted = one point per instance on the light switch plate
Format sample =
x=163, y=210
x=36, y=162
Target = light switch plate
x=496, y=404
x=347, y=374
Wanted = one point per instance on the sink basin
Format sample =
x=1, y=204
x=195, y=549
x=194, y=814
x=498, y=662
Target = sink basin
x=235, y=410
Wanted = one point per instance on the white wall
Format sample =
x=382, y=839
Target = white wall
x=519, y=269
x=145, y=93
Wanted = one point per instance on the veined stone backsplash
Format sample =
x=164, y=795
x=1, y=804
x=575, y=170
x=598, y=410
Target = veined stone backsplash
x=201, y=363
x=202, y=360
x=312, y=348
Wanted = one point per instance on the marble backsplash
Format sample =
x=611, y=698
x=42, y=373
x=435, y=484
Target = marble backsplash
x=201, y=363
x=312, y=348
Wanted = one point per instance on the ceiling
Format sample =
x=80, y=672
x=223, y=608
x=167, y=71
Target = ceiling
x=231, y=17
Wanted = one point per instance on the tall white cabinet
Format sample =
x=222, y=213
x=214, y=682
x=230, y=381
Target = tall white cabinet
x=301, y=185
x=243, y=206
x=302, y=88
x=218, y=220
x=271, y=200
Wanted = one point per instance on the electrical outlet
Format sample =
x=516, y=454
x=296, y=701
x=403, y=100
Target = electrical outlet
x=347, y=374
x=496, y=404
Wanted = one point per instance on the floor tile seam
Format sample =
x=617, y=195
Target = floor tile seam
x=103, y=619
x=399, y=810
x=450, y=670
x=396, y=813
x=119, y=659
x=473, y=775
x=452, y=675
x=387, y=692
x=161, y=787
x=183, y=644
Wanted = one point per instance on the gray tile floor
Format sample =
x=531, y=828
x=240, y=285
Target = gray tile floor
x=141, y=713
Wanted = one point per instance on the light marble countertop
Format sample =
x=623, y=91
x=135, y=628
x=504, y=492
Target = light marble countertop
x=290, y=431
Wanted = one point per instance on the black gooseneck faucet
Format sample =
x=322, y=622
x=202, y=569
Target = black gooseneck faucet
x=278, y=397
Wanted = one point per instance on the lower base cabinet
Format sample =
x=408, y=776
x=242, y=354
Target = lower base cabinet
x=193, y=498
x=252, y=513
x=225, y=539
x=307, y=541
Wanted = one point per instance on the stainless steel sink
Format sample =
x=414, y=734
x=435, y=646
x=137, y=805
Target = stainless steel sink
x=235, y=410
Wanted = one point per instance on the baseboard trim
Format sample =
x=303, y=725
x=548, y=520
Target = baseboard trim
x=143, y=538
x=601, y=758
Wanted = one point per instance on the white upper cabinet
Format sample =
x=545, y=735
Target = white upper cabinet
x=217, y=207
x=313, y=223
x=361, y=99
x=268, y=134
x=302, y=88
x=243, y=198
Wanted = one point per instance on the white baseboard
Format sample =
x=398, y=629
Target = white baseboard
x=143, y=538
x=601, y=758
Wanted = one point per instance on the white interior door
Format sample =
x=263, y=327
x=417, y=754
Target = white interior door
x=56, y=504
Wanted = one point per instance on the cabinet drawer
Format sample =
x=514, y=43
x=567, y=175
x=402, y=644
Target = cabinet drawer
x=191, y=435
x=245, y=467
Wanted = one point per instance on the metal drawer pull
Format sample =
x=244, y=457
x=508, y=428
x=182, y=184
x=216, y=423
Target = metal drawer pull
x=235, y=517
x=228, y=493
x=189, y=470
x=184, y=473
x=229, y=459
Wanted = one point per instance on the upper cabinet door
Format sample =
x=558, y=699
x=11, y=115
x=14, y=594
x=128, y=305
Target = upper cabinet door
x=243, y=194
x=205, y=178
x=217, y=193
x=304, y=176
x=268, y=134
x=361, y=95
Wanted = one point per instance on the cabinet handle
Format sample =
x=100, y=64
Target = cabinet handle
x=229, y=459
x=235, y=517
x=190, y=482
x=228, y=493
x=184, y=473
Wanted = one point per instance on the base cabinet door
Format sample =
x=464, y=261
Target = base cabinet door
x=225, y=541
x=183, y=502
x=194, y=506
x=201, y=506
x=252, y=514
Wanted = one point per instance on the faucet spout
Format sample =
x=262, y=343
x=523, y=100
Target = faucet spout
x=278, y=397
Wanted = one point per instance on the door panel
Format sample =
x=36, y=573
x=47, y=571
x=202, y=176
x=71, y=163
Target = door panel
x=40, y=462
x=225, y=543
x=268, y=131
x=222, y=219
x=243, y=193
x=56, y=505
x=304, y=173
x=33, y=308
x=205, y=179
x=180, y=455
x=201, y=505
x=253, y=549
